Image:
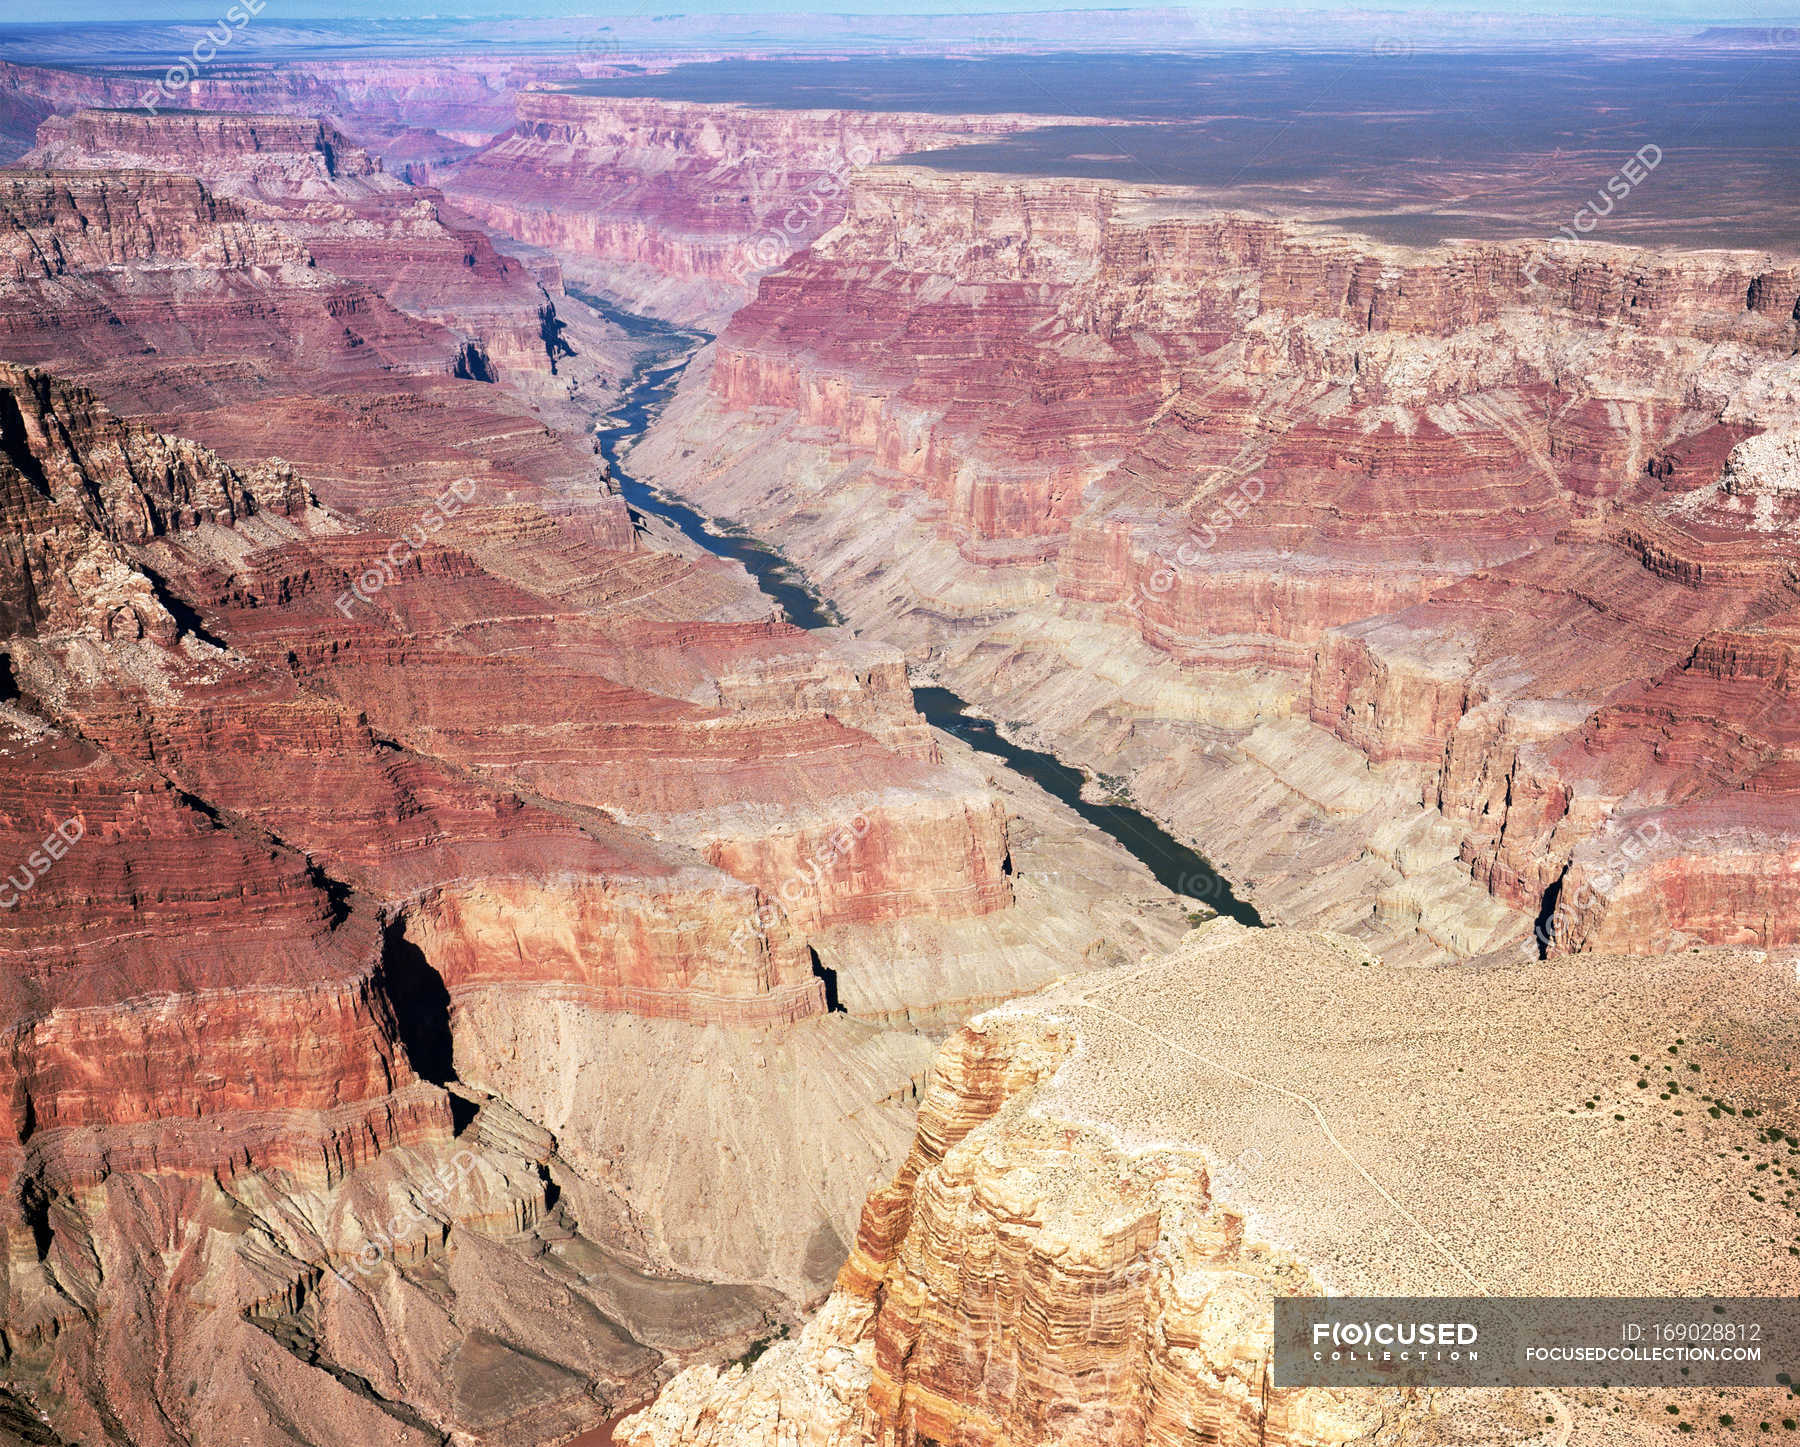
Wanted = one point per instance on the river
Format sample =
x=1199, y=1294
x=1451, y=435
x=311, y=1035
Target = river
x=668, y=352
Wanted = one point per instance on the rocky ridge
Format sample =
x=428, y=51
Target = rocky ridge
x=1463, y=568
x=359, y=223
x=416, y=113
x=680, y=206
x=1111, y=1182
x=352, y=711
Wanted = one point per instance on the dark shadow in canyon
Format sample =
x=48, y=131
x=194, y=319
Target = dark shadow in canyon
x=34, y=1205
x=827, y=977
x=337, y=893
x=15, y=444
x=1546, y=918
x=421, y=1007
x=21, y=1421
x=296, y=1335
x=550, y=330
x=472, y=364
x=187, y=617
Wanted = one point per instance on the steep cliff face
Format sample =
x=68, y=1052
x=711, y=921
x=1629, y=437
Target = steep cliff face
x=1112, y=1181
x=79, y=488
x=356, y=222
x=211, y=1093
x=1022, y=1280
x=409, y=111
x=79, y=491
x=212, y=315
x=282, y=155
x=103, y=267
x=487, y=881
x=368, y=758
x=676, y=206
x=271, y=921
x=58, y=225
x=1032, y=1284
x=1505, y=526
x=99, y=979
x=362, y=615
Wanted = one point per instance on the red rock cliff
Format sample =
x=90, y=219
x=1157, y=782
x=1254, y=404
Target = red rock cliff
x=1469, y=510
x=679, y=206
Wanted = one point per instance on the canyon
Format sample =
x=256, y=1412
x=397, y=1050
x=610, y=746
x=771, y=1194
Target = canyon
x=1428, y=589
x=312, y=568
x=1081, y=1244
x=413, y=112
x=1444, y=595
x=479, y=963
x=637, y=195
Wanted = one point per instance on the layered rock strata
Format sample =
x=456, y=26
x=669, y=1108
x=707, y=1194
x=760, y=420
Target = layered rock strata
x=1470, y=569
x=369, y=755
x=361, y=224
x=228, y=883
x=681, y=206
x=1113, y=1180
x=414, y=112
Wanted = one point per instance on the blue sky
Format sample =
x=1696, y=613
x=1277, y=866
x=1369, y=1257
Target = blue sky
x=64, y=11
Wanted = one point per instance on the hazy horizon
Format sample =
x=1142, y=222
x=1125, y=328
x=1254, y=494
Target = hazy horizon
x=1665, y=12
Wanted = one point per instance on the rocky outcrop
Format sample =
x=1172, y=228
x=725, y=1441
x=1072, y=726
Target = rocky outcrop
x=211, y=315
x=1112, y=1181
x=1021, y=1280
x=260, y=1109
x=368, y=756
x=359, y=223
x=678, y=206
x=285, y=1013
x=80, y=488
x=231, y=887
x=406, y=110
x=1463, y=511
x=282, y=155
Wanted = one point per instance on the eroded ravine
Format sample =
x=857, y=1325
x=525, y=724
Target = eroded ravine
x=668, y=352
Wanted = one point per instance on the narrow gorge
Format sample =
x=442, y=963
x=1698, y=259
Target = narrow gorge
x=642, y=402
x=1170, y=489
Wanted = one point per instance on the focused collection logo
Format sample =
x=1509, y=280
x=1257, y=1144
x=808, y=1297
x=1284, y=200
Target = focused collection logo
x=1395, y=1341
x=1532, y=1341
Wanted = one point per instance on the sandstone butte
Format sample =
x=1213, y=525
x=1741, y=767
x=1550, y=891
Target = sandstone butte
x=1430, y=599
x=419, y=801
